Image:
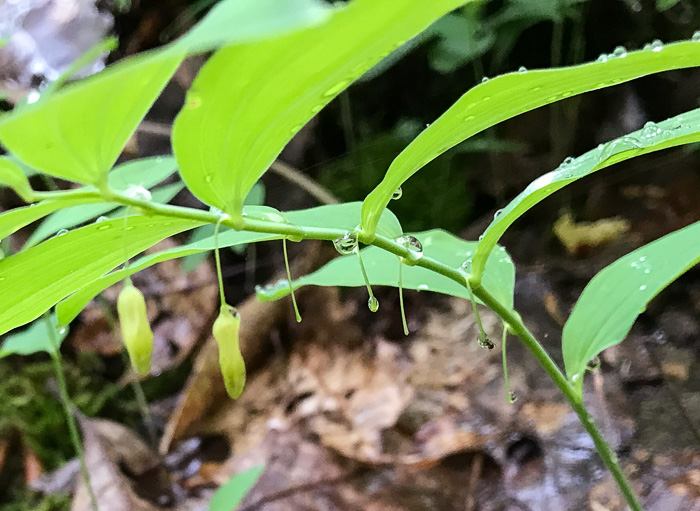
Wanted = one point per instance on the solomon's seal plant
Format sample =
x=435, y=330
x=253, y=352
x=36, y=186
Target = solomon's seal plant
x=275, y=65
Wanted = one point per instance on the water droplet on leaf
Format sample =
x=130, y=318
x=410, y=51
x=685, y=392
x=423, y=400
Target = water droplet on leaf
x=603, y=58
x=619, y=52
x=650, y=130
x=619, y=145
x=696, y=36
x=656, y=45
x=485, y=79
x=101, y=219
x=522, y=70
x=397, y=194
x=62, y=232
x=336, y=88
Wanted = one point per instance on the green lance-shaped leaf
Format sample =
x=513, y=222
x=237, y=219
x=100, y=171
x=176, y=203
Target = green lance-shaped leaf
x=79, y=132
x=249, y=100
x=679, y=130
x=225, y=330
x=136, y=331
x=506, y=96
x=13, y=220
x=382, y=270
x=34, y=280
x=612, y=300
x=11, y=175
x=336, y=216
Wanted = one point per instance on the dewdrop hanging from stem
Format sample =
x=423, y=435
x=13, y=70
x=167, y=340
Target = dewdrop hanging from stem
x=401, y=307
x=372, y=302
x=289, y=280
x=484, y=341
x=512, y=398
x=226, y=333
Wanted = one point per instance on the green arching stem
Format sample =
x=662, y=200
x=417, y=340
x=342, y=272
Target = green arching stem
x=67, y=404
x=507, y=314
x=218, y=260
x=509, y=394
x=289, y=279
x=403, y=311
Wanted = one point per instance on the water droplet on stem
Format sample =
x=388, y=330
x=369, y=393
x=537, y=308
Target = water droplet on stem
x=373, y=304
x=346, y=244
x=413, y=245
x=137, y=192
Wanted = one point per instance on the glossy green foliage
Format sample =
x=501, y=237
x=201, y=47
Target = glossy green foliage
x=337, y=216
x=679, y=130
x=383, y=269
x=146, y=172
x=79, y=132
x=13, y=220
x=34, y=339
x=35, y=280
x=249, y=100
x=235, y=21
x=11, y=175
x=612, y=300
x=230, y=494
x=511, y=94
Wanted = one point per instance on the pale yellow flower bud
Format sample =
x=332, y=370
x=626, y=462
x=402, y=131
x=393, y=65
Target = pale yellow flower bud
x=231, y=361
x=136, y=331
